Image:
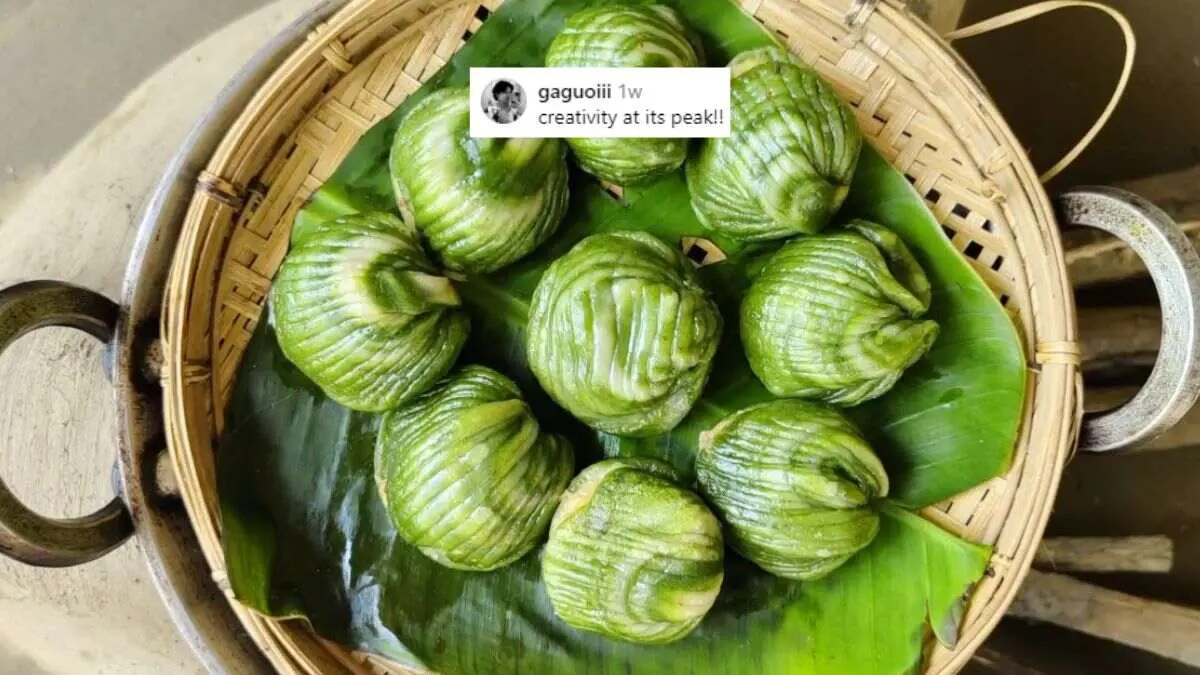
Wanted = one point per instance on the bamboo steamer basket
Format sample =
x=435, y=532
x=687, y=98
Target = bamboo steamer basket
x=917, y=103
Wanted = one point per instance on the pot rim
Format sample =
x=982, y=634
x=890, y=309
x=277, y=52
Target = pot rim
x=194, y=600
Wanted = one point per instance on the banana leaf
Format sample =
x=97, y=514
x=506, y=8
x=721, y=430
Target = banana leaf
x=306, y=536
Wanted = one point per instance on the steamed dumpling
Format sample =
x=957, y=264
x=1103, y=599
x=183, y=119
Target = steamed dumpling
x=482, y=203
x=786, y=166
x=622, y=334
x=467, y=474
x=838, y=316
x=625, y=36
x=360, y=310
x=796, y=484
x=633, y=554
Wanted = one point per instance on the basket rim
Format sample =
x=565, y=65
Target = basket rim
x=995, y=119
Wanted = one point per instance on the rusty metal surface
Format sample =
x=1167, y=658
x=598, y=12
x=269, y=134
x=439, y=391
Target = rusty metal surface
x=198, y=607
x=1174, y=383
x=25, y=535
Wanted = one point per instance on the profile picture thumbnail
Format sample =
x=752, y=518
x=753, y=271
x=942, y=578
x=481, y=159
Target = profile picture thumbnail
x=504, y=101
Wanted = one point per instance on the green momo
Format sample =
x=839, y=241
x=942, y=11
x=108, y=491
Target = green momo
x=795, y=482
x=633, y=36
x=837, y=316
x=467, y=474
x=622, y=334
x=632, y=555
x=481, y=203
x=786, y=167
x=361, y=311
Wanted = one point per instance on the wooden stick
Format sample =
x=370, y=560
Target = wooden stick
x=1106, y=554
x=1130, y=334
x=1160, y=628
x=999, y=662
x=1079, y=554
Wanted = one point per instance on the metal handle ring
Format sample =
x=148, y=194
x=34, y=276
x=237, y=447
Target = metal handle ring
x=1174, y=383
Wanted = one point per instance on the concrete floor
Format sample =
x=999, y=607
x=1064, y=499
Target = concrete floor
x=68, y=66
x=67, y=63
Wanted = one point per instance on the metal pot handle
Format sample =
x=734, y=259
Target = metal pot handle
x=1174, y=384
x=25, y=535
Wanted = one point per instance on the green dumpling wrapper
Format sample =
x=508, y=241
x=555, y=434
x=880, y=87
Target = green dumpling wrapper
x=481, y=203
x=787, y=164
x=837, y=316
x=795, y=482
x=467, y=474
x=626, y=36
x=622, y=334
x=361, y=311
x=632, y=554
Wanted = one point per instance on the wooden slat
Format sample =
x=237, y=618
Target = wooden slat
x=1157, y=627
x=1106, y=554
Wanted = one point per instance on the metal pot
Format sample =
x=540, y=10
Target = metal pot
x=129, y=330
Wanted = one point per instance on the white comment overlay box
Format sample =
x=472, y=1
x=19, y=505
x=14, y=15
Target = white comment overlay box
x=599, y=102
